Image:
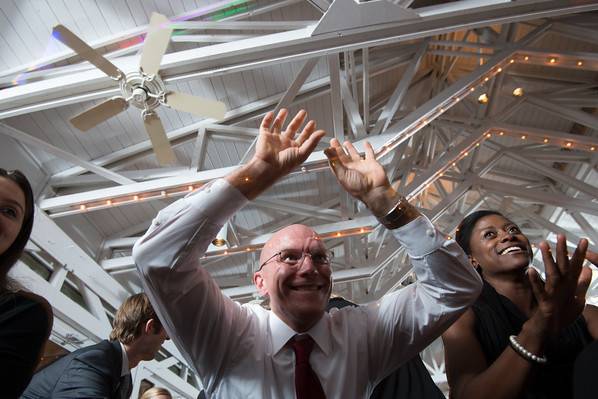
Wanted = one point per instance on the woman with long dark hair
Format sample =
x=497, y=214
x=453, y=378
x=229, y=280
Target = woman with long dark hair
x=520, y=339
x=25, y=318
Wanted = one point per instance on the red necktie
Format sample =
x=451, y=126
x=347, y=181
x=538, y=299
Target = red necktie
x=307, y=384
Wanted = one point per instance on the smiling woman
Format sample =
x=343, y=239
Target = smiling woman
x=520, y=326
x=25, y=318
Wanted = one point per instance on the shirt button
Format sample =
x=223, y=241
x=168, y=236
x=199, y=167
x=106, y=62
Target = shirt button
x=430, y=232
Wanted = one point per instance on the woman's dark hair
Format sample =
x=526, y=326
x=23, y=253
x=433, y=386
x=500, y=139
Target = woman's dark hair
x=13, y=253
x=463, y=236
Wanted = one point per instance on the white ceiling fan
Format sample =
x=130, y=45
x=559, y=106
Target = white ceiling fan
x=143, y=88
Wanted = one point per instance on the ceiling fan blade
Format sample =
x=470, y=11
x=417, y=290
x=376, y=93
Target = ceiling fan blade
x=156, y=42
x=68, y=38
x=155, y=130
x=98, y=114
x=196, y=105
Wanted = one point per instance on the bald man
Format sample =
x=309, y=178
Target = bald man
x=296, y=349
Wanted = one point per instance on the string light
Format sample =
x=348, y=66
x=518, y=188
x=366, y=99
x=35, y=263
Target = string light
x=499, y=70
x=545, y=140
x=523, y=137
x=579, y=63
x=592, y=148
x=552, y=60
x=190, y=188
x=511, y=61
x=486, y=79
x=518, y=92
x=501, y=133
x=108, y=202
x=569, y=144
x=488, y=135
x=135, y=198
x=82, y=207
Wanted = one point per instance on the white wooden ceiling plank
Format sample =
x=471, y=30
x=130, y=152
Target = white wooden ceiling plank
x=39, y=24
x=110, y=16
x=55, y=138
x=115, y=136
x=91, y=136
x=14, y=41
x=177, y=7
x=190, y=5
x=148, y=7
x=235, y=89
x=119, y=10
x=124, y=134
x=71, y=134
x=79, y=19
x=220, y=90
x=251, y=86
x=137, y=12
x=162, y=7
x=260, y=83
x=94, y=15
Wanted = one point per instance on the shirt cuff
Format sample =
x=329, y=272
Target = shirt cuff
x=218, y=201
x=419, y=237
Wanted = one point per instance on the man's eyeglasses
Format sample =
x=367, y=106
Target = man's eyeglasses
x=294, y=258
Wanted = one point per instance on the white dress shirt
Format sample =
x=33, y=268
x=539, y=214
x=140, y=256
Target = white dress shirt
x=241, y=351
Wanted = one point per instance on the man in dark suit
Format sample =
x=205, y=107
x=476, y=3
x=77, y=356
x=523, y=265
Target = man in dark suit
x=103, y=370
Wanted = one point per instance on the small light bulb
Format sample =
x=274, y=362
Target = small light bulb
x=82, y=207
x=499, y=70
x=109, y=202
x=501, y=133
x=523, y=137
x=546, y=140
x=189, y=188
x=136, y=197
x=518, y=92
x=488, y=135
x=466, y=154
x=511, y=61
x=592, y=148
x=477, y=144
x=552, y=60
x=338, y=234
x=486, y=79
x=472, y=89
x=526, y=58
x=569, y=144
x=579, y=63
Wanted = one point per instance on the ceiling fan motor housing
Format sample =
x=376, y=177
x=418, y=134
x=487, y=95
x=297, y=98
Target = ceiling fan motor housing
x=142, y=91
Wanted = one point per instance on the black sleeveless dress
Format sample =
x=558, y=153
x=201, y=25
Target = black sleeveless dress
x=496, y=318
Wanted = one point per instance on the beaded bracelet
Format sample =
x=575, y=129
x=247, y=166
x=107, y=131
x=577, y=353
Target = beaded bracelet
x=524, y=353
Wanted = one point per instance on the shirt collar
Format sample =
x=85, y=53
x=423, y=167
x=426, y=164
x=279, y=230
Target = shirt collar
x=124, y=370
x=281, y=333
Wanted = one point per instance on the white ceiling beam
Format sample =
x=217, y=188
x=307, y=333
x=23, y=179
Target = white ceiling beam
x=306, y=210
x=89, y=179
x=208, y=38
x=365, y=60
x=199, y=149
x=25, y=138
x=586, y=226
x=351, y=107
x=576, y=32
x=276, y=48
x=396, y=98
x=240, y=25
x=571, y=114
x=540, y=197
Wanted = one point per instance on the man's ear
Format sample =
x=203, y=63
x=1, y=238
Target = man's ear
x=260, y=283
x=150, y=327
